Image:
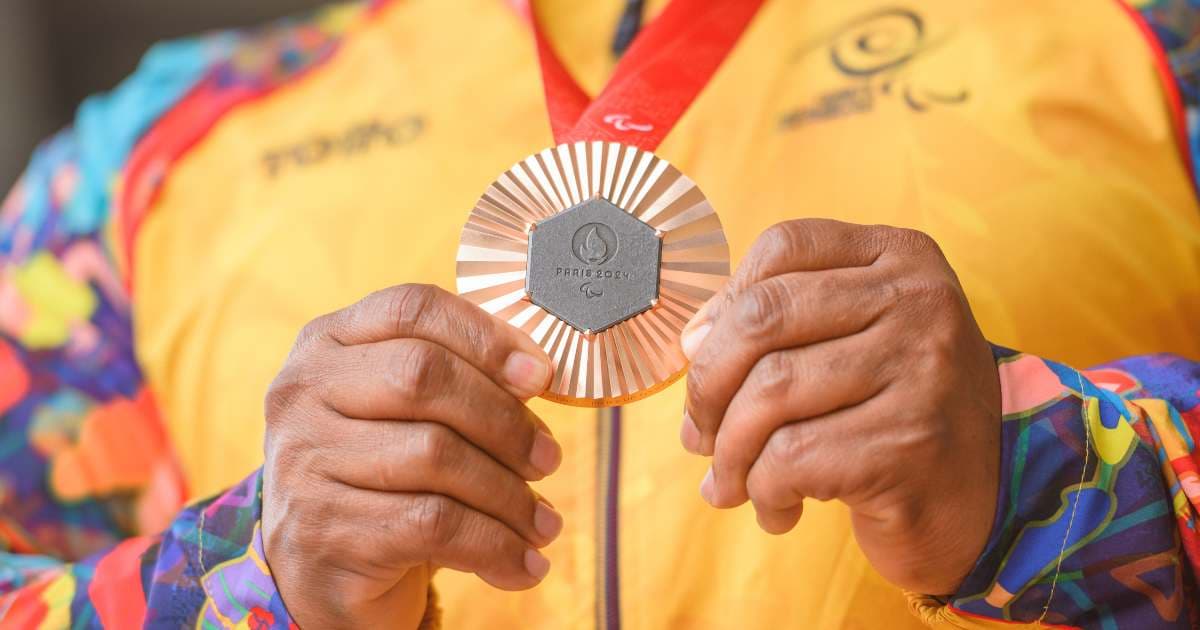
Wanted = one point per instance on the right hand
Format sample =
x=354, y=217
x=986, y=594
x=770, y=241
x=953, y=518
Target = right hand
x=397, y=442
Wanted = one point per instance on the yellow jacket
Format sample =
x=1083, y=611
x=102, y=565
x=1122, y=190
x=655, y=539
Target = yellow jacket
x=1036, y=140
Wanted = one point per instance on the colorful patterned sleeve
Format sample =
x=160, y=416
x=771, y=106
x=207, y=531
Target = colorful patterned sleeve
x=85, y=465
x=205, y=571
x=84, y=460
x=88, y=479
x=1096, y=525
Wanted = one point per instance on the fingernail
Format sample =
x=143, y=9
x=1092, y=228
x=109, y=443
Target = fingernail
x=707, y=487
x=546, y=521
x=526, y=373
x=689, y=434
x=536, y=564
x=546, y=454
x=693, y=338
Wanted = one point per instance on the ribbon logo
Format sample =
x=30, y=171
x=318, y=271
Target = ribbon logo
x=621, y=122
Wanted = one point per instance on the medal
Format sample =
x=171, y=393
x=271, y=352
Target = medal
x=598, y=249
x=601, y=252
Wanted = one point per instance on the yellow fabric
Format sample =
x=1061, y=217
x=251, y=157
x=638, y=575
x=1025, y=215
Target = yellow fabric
x=58, y=596
x=582, y=33
x=1063, y=134
x=939, y=617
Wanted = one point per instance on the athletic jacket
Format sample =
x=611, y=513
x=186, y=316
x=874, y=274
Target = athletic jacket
x=159, y=256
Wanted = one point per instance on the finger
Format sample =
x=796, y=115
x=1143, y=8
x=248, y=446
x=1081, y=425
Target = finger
x=779, y=521
x=822, y=458
x=465, y=540
x=784, y=311
x=788, y=386
x=808, y=245
x=502, y=352
x=411, y=529
x=424, y=457
x=689, y=435
x=410, y=379
x=799, y=245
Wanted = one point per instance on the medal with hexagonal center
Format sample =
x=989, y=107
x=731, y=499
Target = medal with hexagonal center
x=593, y=265
x=609, y=229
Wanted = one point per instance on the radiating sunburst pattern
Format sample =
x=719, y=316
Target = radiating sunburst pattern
x=641, y=355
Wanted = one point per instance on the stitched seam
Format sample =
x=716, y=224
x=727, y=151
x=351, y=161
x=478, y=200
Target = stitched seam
x=1087, y=450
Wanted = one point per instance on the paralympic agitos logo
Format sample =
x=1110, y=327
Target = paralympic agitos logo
x=876, y=52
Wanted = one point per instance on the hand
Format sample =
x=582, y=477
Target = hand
x=398, y=442
x=843, y=362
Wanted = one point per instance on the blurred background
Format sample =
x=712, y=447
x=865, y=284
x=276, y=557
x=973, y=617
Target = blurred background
x=53, y=53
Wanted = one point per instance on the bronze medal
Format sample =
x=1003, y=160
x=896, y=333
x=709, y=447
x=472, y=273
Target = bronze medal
x=601, y=252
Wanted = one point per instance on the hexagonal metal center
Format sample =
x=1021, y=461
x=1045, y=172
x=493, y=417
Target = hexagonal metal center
x=593, y=265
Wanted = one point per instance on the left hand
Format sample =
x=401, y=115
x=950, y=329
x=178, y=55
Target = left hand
x=843, y=362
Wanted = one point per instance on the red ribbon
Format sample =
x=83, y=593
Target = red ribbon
x=655, y=82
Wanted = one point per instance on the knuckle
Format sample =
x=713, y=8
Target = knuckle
x=759, y=310
x=818, y=473
x=287, y=390
x=786, y=446
x=779, y=233
x=438, y=448
x=770, y=484
x=935, y=299
x=782, y=240
x=437, y=520
x=300, y=467
x=939, y=366
x=774, y=377
x=767, y=490
x=298, y=519
x=302, y=375
x=824, y=491
x=316, y=461
x=313, y=331
x=414, y=367
x=759, y=485
x=942, y=295
x=789, y=448
x=930, y=296
x=408, y=305
x=921, y=434
x=913, y=241
x=281, y=395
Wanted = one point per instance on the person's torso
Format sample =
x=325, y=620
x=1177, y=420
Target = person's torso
x=1030, y=138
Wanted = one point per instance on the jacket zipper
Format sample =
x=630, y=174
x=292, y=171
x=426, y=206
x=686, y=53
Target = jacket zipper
x=608, y=474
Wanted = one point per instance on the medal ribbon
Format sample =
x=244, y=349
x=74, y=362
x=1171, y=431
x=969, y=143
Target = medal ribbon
x=655, y=81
